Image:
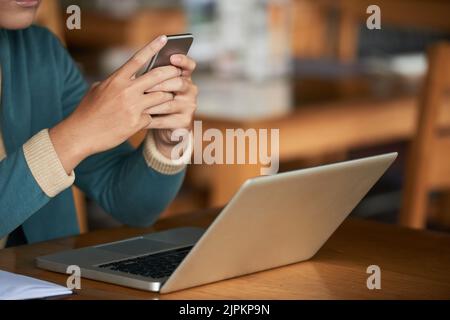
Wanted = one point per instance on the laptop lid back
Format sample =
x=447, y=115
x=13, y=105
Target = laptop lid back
x=278, y=220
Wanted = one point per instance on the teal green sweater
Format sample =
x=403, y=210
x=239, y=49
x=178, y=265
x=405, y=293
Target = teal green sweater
x=41, y=86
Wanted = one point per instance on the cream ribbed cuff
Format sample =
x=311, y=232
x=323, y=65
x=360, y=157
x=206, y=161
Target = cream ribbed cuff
x=159, y=162
x=45, y=165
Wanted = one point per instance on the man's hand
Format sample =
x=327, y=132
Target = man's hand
x=177, y=113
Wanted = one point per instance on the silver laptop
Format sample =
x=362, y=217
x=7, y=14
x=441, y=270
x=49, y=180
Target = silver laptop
x=271, y=221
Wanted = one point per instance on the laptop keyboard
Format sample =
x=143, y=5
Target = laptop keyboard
x=156, y=265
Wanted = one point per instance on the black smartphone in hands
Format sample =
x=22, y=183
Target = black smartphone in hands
x=176, y=44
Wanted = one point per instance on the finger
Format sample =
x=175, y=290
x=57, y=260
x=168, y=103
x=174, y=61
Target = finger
x=171, y=121
x=145, y=121
x=178, y=84
x=184, y=62
x=168, y=107
x=141, y=57
x=154, y=99
x=155, y=76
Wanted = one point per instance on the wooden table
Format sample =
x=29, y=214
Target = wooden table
x=414, y=265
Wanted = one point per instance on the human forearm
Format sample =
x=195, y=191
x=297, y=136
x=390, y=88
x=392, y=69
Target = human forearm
x=25, y=182
x=132, y=187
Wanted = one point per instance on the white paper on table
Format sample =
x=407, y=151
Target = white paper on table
x=18, y=287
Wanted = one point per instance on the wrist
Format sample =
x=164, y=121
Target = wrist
x=69, y=144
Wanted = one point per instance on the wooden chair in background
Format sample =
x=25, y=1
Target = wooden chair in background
x=428, y=167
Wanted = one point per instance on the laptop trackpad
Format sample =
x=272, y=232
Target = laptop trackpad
x=137, y=246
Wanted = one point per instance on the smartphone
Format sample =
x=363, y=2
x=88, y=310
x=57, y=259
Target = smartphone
x=176, y=44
